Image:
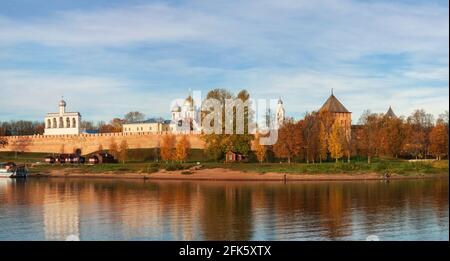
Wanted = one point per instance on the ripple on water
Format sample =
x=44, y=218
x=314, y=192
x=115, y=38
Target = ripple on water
x=133, y=210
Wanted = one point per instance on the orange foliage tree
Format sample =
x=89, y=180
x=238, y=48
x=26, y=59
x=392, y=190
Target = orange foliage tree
x=167, y=147
x=289, y=141
x=123, y=151
x=439, y=140
x=418, y=127
x=393, y=135
x=311, y=132
x=336, y=142
x=113, y=148
x=182, y=149
x=370, y=140
x=260, y=149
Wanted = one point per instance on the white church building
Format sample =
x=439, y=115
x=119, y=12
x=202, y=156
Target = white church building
x=62, y=122
x=185, y=118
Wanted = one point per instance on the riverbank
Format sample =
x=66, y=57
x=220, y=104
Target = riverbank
x=223, y=174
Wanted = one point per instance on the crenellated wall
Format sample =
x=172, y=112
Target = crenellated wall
x=88, y=143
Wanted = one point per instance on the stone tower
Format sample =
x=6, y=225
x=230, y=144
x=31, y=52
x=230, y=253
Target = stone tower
x=390, y=113
x=340, y=114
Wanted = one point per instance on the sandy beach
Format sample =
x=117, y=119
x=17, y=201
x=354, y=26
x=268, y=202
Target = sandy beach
x=221, y=174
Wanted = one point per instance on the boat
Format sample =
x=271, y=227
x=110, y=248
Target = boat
x=11, y=170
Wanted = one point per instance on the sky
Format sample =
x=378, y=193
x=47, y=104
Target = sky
x=109, y=57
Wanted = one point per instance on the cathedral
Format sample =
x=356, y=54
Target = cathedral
x=185, y=118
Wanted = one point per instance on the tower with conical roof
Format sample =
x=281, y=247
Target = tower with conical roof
x=340, y=114
x=390, y=113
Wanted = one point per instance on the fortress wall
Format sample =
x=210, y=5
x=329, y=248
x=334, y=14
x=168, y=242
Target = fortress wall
x=88, y=143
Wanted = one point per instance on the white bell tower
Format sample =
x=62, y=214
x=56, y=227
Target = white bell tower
x=280, y=113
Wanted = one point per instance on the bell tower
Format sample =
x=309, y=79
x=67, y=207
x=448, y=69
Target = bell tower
x=62, y=106
x=280, y=113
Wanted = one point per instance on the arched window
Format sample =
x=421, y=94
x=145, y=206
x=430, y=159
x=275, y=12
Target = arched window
x=74, y=123
x=49, y=123
x=54, y=123
x=61, y=122
x=67, y=122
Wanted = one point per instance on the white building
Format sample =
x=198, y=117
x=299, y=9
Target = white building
x=62, y=122
x=280, y=113
x=185, y=118
x=146, y=126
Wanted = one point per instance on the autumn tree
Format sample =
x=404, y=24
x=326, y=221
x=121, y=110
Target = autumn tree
x=260, y=149
x=115, y=125
x=167, y=147
x=325, y=121
x=289, y=141
x=439, y=140
x=336, y=142
x=346, y=145
x=393, y=136
x=217, y=144
x=444, y=118
x=182, y=149
x=113, y=148
x=323, y=143
x=418, y=128
x=123, y=151
x=370, y=134
x=311, y=132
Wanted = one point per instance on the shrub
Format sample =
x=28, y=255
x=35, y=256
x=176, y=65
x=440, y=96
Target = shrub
x=174, y=166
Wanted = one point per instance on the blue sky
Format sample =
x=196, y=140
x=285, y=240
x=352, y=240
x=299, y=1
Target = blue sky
x=111, y=57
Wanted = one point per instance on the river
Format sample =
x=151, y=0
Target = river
x=102, y=209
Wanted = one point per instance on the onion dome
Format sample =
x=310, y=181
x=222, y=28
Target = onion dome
x=176, y=108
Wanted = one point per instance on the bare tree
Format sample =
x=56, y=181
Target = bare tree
x=134, y=116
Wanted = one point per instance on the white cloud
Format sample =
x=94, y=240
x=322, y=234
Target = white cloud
x=341, y=27
x=295, y=49
x=31, y=95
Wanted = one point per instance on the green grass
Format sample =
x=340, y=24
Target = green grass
x=129, y=167
x=149, y=155
x=380, y=166
x=141, y=162
x=22, y=157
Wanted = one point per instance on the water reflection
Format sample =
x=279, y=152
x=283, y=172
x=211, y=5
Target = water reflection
x=52, y=209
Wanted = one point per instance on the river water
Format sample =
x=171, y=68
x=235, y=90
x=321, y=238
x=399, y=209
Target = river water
x=100, y=209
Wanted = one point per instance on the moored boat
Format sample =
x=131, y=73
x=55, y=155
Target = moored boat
x=11, y=170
